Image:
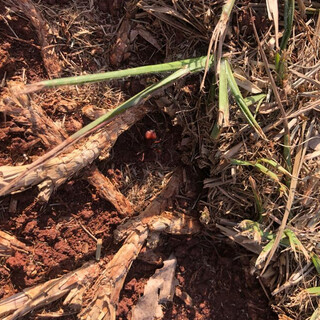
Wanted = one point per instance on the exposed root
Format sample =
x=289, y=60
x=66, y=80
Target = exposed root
x=9, y=244
x=56, y=171
x=108, y=191
x=26, y=112
x=49, y=56
x=136, y=231
x=73, y=284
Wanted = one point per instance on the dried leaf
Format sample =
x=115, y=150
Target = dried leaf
x=146, y=35
x=159, y=289
x=273, y=14
x=246, y=84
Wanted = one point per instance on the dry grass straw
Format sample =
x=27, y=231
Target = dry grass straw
x=81, y=35
x=289, y=118
x=218, y=37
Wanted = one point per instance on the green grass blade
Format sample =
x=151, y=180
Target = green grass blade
x=223, y=114
x=241, y=103
x=280, y=60
x=257, y=165
x=265, y=251
x=262, y=169
x=286, y=153
x=257, y=199
x=252, y=229
x=288, y=22
x=267, y=172
x=264, y=254
x=281, y=66
x=314, y=291
x=195, y=64
x=276, y=165
x=218, y=36
x=254, y=99
x=241, y=162
x=296, y=244
x=223, y=94
x=316, y=261
x=132, y=101
x=141, y=96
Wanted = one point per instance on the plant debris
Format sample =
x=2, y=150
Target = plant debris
x=224, y=177
x=159, y=289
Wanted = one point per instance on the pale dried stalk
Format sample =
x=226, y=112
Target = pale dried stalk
x=22, y=303
x=108, y=286
x=54, y=172
x=218, y=36
x=156, y=207
x=301, y=151
x=136, y=230
x=273, y=14
x=108, y=191
x=49, y=56
x=168, y=222
x=26, y=112
x=110, y=283
x=9, y=244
